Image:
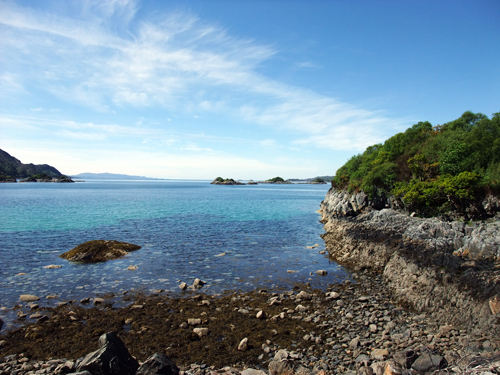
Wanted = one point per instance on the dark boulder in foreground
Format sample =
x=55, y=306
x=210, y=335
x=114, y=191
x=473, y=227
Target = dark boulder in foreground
x=112, y=357
x=99, y=251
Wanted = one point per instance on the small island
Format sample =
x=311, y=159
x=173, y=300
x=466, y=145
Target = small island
x=99, y=251
x=276, y=180
x=227, y=181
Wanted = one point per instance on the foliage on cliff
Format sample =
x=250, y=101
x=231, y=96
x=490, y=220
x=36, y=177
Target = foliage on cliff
x=10, y=167
x=430, y=166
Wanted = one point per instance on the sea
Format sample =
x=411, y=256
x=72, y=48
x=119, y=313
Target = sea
x=235, y=238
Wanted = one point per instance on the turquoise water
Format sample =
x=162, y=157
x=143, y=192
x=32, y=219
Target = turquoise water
x=182, y=226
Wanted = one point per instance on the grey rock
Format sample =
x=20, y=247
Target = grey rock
x=426, y=362
x=158, y=364
x=112, y=358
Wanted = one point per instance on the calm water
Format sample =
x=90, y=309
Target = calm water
x=181, y=225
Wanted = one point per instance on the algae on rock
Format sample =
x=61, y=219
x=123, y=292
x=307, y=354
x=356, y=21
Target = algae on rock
x=99, y=251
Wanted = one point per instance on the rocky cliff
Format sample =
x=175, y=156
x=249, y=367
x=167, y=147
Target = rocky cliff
x=450, y=270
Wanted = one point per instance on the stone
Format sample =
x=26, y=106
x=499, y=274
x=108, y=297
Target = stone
x=251, y=371
x=379, y=353
x=201, y=331
x=340, y=303
x=426, y=362
x=183, y=286
x=52, y=266
x=112, y=358
x=261, y=315
x=354, y=343
x=132, y=268
x=194, y=322
x=322, y=272
x=198, y=284
x=304, y=296
x=36, y=316
x=243, y=345
x=365, y=370
x=495, y=304
x=85, y=300
x=373, y=328
x=98, y=300
x=52, y=296
x=28, y=298
x=301, y=308
x=99, y=251
x=158, y=364
x=333, y=295
x=405, y=358
x=392, y=368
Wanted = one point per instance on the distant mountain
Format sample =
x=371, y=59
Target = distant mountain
x=12, y=167
x=111, y=176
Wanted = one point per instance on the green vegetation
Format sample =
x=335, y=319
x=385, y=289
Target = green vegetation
x=430, y=168
x=276, y=179
x=318, y=180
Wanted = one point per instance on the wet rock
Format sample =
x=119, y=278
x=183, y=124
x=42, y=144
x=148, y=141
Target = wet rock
x=52, y=266
x=198, y=284
x=28, y=298
x=322, y=272
x=98, y=301
x=194, y=322
x=99, y=251
x=112, y=358
x=243, y=345
x=158, y=364
x=132, y=268
x=1, y=324
x=183, y=286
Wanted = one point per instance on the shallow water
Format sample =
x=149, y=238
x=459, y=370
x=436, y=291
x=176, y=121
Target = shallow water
x=182, y=226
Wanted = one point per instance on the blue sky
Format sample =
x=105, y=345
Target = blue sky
x=235, y=88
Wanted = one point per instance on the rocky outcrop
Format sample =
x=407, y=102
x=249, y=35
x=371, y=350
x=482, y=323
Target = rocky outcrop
x=227, y=181
x=448, y=269
x=99, y=251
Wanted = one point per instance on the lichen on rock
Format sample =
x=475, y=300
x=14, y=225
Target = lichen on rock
x=99, y=251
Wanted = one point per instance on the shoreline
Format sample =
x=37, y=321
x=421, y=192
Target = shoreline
x=337, y=331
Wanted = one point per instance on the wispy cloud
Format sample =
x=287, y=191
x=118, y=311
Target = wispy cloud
x=175, y=62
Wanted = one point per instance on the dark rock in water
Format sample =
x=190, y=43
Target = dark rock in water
x=1, y=323
x=99, y=251
x=112, y=358
x=158, y=364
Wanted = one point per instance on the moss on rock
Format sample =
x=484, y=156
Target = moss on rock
x=99, y=251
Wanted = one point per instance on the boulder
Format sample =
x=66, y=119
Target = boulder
x=28, y=298
x=158, y=364
x=99, y=251
x=112, y=358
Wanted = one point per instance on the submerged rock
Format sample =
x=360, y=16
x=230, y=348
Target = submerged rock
x=99, y=251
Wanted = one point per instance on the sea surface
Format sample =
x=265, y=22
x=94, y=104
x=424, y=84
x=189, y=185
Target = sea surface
x=232, y=237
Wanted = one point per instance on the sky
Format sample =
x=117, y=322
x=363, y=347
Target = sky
x=243, y=89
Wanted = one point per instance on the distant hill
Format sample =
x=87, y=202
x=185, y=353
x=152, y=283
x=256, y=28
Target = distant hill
x=12, y=167
x=111, y=176
x=324, y=178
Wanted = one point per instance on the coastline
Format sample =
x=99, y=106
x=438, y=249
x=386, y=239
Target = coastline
x=342, y=330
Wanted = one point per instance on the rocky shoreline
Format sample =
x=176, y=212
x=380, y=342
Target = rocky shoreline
x=355, y=327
